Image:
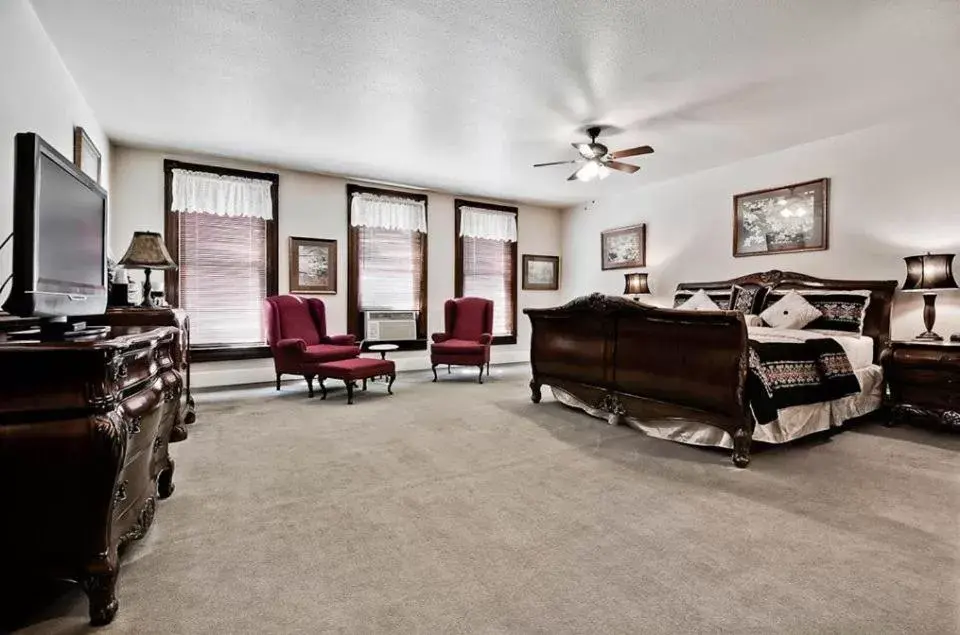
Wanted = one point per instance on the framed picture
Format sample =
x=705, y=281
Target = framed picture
x=85, y=154
x=783, y=219
x=313, y=265
x=624, y=247
x=541, y=273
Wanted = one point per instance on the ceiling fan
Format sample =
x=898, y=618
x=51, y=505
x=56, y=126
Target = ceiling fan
x=597, y=159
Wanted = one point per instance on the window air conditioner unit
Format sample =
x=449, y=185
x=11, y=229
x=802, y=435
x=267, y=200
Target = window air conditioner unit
x=390, y=325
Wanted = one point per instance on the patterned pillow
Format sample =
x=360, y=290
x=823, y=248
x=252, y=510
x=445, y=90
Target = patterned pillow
x=748, y=298
x=699, y=301
x=840, y=310
x=792, y=311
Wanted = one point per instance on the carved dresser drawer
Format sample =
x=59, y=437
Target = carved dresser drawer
x=84, y=431
x=923, y=381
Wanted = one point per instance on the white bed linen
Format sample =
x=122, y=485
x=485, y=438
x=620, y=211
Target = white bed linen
x=859, y=348
x=792, y=423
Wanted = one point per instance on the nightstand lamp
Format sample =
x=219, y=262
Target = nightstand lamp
x=932, y=272
x=635, y=284
x=147, y=251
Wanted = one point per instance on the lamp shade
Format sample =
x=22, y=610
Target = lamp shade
x=147, y=250
x=932, y=271
x=635, y=284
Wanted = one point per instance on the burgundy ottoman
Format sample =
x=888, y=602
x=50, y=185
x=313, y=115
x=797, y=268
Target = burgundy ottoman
x=353, y=370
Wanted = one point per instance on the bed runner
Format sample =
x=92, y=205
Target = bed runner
x=784, y=374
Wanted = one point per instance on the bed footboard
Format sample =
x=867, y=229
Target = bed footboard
x=650, y=363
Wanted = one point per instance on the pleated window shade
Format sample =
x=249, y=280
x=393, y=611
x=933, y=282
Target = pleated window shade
x=488, y=272
x=223, y=277
x=390, y=269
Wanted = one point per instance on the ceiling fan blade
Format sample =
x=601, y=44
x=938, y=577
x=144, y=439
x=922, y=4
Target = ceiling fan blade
x=623, y=167
x=540, y=165
x=632, y=152
x=575, y=175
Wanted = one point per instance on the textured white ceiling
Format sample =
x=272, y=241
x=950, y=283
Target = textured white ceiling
x=465, y=96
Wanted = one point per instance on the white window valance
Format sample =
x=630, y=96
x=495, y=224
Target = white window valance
x=488, y=224
x=388, y=212
x=204, y=192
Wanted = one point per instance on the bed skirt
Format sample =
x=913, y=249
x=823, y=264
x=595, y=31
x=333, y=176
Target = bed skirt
x=792, y=423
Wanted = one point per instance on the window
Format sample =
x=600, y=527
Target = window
x=220, y=228
x=486, y=261
x=387, y=255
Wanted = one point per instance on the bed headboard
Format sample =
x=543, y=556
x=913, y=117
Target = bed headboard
x=876, y=323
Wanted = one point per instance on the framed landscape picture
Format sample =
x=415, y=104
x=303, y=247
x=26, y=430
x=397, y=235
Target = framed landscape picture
x=313, y=265
x=781, y=220
x=541, y=273
x=85, y=154
x=624, y=247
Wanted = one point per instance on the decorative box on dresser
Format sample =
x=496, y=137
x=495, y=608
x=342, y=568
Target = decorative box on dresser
x=84, y=433
x=923, y=381
x=153, y=317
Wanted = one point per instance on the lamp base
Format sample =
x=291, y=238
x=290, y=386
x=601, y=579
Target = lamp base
x=929, y=336
x=147, y=302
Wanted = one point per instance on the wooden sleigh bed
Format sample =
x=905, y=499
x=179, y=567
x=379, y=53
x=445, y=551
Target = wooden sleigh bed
x=625, y=359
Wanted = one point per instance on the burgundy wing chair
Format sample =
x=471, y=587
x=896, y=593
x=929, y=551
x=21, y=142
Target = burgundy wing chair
x=297, y=335
x=466, y=340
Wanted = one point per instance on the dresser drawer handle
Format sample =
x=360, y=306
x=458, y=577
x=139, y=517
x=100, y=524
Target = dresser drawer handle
x=121, y=494
x=157, y=443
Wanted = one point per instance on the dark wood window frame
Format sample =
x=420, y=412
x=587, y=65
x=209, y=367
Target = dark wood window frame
x=458, y=257
x=171, y=230
x=354, y=315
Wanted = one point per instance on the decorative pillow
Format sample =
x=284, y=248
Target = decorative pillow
x=699, y=301
x=752, y=320
x=720, y=297
x=747, y=298
x=840, y=310
x=791, y=311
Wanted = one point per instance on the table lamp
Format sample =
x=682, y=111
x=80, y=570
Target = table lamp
x=931, y=272
x=635, y=284
x=147, y=251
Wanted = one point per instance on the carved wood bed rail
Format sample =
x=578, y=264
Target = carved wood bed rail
x=655, y=364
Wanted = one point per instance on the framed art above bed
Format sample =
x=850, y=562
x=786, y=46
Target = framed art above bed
x=781, y=219
x=624, y=247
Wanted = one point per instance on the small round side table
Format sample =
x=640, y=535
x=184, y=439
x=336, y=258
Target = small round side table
x=383, y=349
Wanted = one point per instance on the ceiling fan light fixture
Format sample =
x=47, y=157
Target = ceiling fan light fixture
x=603, y=171
x=589, y=171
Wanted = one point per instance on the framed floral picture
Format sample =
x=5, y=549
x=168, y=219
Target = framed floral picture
x=313, y=265
x=541, y=273
x=624, y=247
x=781, y=220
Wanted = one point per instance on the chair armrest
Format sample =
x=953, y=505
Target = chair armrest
x=292, y=344
x=486, y=339
x=439, y=337
x=341, y=340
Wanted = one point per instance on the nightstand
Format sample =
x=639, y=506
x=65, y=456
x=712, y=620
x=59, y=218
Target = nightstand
x=923, y=381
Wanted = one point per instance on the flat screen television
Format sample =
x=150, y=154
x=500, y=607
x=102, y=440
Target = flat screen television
x=59, y=235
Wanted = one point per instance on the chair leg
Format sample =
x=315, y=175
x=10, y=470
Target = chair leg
x=364, y=384
x=278, y=381
x=323, y=389
x=488, y=369
x=448, y=369
x=390, y=385
x=349, y=392
x=434, y=373
x=481, y=374
x=309, y=379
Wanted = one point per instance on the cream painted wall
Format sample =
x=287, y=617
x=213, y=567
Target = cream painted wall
x=895, y=192
x=38, y=95
x=314, y=205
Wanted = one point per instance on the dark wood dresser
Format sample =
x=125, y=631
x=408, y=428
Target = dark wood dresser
x=159, y=316
x=84, y=433
x=923, y=382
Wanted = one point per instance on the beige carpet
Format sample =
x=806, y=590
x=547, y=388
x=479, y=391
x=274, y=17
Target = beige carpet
x=459, y=508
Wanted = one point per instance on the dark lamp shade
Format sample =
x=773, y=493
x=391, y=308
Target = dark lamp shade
x=932, y=271
x=635, y=284
x=147, y=251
